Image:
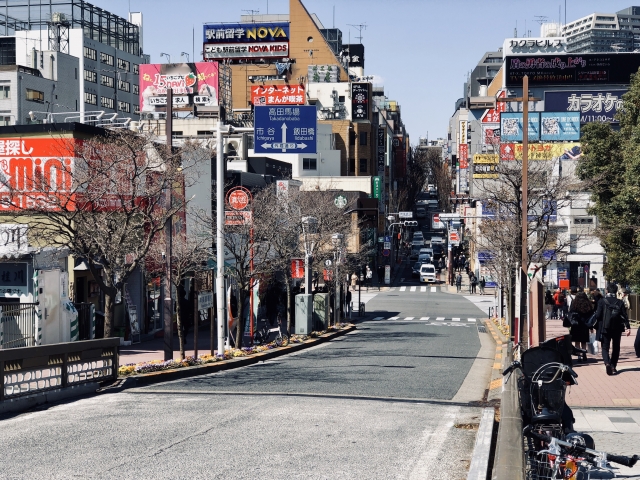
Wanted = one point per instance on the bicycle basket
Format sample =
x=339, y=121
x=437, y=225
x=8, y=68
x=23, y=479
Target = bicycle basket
x=549, y=396
x=535, y=357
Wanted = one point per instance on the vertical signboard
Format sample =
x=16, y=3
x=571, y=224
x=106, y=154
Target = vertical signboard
x=360, y=101
x=381, y=140
x=376, y=187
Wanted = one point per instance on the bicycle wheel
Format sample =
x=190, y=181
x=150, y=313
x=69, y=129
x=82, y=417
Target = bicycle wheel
x=257, y=338
x=279, y=340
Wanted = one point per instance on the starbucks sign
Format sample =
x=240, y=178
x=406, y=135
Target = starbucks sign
x=340, y=201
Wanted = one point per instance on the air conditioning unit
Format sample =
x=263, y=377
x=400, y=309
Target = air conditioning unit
x=236, y=147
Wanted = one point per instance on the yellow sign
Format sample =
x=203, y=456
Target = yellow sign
x=486, y=158
x=486, y=175
x=541, y=151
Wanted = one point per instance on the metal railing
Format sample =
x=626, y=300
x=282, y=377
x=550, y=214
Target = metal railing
x=29, y=370
x=17, y=325
x=84, y=320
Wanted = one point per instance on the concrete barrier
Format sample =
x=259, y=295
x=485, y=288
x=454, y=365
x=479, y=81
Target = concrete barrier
x=478, y=470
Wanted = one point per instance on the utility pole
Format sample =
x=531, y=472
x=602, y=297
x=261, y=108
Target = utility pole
x=166, y=291
x=220, y=294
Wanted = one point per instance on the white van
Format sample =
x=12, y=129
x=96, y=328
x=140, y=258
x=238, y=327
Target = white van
x=427, y=273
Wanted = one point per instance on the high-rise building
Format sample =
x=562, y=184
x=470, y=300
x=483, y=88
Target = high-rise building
x=64, y=56
x=604, y=32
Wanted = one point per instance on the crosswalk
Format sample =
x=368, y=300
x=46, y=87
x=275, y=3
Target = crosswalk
x=426, y=319
x=422, y=289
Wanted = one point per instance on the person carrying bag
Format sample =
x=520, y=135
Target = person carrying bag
x=612, y=314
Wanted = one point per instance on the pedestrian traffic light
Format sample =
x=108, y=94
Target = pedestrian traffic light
x=410, y=223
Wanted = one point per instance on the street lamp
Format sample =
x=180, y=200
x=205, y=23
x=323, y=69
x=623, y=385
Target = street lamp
x=336, y=240
x=182, y=54
x=309, y=229
x=166, y=55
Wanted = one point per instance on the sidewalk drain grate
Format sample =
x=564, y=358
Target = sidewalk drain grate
x=482, y=329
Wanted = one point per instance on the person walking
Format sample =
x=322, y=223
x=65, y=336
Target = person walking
x=458, y=282
x=579, y=312
x=354, y=281
x=558, y=303
x=548, y=303
x=613, y=319
x=474, y=282
x=569, y=296
x=482, y=284
x=348, y=302
x=380, y=275
x=369, y=276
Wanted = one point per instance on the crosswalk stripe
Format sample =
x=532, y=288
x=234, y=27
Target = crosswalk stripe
x=379, y=318
x=423, y=289
x=412, y=289
x=424, y=318
x=433, y=289
x=455, y=319
x=394, y=318
x=403, y=289
x=409, y=318
x=440, y=319
x=471, y=319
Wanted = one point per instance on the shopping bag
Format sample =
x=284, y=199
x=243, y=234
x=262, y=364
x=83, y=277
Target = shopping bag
x=592, y=346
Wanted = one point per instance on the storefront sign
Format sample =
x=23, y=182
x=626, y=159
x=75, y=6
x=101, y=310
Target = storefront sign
x=581, y=69
x=558, y=127
x=492, y=115
x=277, y=95
x=484, y=166
x=245, y=32
x=323, y=73
x=297, y=268
x=376, y=187
x=205, y=300
x=191, y=83
x=237, y=217
x=246, y=50
x=360, y=101
x=463, y=131
x=511, y=127
x=381, y=142
x=13, y=239
x=593, y=105
x=238, y=198
x=541, y=151
x=13, y=279
x=463, y=155
x=485, y=158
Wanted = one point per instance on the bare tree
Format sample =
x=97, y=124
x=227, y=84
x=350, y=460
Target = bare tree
x=104, y=200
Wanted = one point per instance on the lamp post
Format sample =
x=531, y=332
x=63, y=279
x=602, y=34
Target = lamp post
x=182, y=54
x=309, y=228
x=166, y=55
x=336, y=240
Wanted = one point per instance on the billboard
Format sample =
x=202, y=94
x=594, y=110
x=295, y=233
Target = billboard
x=192, y=83
x=360, y=101
x=355, y=54
x=245, y=40
x=323, y=73
x=277, y=95
x=484, y=165
x=580, y=69
x=463, y=155
x=559, y=127
x=511, y=126
x=541, y=151
x=593, y=105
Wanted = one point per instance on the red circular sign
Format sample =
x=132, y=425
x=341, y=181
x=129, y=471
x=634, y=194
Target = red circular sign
x=238, y=198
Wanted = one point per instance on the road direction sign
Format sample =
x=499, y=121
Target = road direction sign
x=387, y=245
x=405, y=214
x=450, y=216
x=386, y=253
x=285, y=129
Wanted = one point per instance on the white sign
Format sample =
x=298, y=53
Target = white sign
x=13, y=239
x=450, y=216
x=177, y=100
x=205, y=300
x=387, y=274
x=515, y=46
x=247, y=50
x=463, y=132
x=387, y=245
x=405, y=214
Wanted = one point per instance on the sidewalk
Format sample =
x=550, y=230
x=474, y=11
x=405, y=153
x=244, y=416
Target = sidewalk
x=595, y=388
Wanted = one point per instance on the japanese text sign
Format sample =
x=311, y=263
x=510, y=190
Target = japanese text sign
x=285, y=129
x=559, y=126
x=277, y=95
x=511, y=127
x=245, y=32
x=593, y=105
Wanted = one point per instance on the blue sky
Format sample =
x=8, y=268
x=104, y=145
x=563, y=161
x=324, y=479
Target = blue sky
x=421, y=50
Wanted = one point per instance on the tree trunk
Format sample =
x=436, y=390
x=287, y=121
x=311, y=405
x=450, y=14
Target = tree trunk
x=240, y=326
x=288, y=282
x=179, y=327
x=109, y=307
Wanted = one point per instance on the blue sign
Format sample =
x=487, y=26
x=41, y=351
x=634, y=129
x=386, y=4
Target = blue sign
x=559, y=126
x=511, y=127
x=285, y=129
x=387, y=238
x=592, y=105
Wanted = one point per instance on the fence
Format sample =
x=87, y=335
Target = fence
x=17, y=325
x=29, y=370
x=85, y=320
x=634, y=301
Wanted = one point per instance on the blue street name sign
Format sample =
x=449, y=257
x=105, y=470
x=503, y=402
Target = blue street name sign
x=285, y=129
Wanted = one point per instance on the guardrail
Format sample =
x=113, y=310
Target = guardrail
x=17, y=325
x=29, y=370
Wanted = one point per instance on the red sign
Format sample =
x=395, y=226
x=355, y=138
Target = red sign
x=454, y=237
x=327, y=275
x=463, y=152
x=297, y=268
x=277, y=95
x=436, y=217
x=238, y=198
x=493, y=114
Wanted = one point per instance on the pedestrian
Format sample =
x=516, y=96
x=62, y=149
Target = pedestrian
x=613, y=320
x=579, y=312
x=558, y=303
x=569, y=296
x=483, y=282
x=348, y=302
x=467, y=265
x=548, y=303
x=369, y=277
x=380, y=275
x=474, y=282
x=354, y=281
x=458, y=282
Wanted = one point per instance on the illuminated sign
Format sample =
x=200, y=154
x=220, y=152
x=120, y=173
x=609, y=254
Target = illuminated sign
x=247, y=50
x=245, y=32
x=593, y=105
x=277, y=95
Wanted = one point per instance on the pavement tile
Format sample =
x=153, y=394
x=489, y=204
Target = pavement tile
x=598, y=421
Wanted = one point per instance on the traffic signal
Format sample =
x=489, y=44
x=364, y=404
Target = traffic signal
x=410, y=223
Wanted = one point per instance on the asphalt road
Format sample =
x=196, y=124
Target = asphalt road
x=377, y=403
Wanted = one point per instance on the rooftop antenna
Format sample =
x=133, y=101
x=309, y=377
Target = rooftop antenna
x=541, y=19
x=360, y=27
x=251, y=12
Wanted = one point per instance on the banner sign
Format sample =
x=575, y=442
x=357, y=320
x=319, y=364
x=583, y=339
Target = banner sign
x=541, y=151
x=463, y=155
x=246, y=50
x=297, y=268
x=511, y=127
x=360, y=101
x=245, y=32
x=581, y=69
x=492, y=115
x=377, y=187
x=191, y=83
x=277, y=95
x=593, y=105
x=463, y=132
x=323, y=73
x=558, y=127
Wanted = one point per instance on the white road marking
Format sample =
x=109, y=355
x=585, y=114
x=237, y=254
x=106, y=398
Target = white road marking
x=440, y=319
x=409, y=318
x=403, y=289
x=412, y=289
x=471, y=319
x=431, y=444
x=379, y=318
x=424, y=318
x=433, y=289
x=394, y=318
x=455, y=319
x=423, y=289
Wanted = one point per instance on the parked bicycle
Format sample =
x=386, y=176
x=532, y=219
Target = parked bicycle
x=264, y=334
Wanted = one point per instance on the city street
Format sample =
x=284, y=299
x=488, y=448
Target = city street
x=389, y=400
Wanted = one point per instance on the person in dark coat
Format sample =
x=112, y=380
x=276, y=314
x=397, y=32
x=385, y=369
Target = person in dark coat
x=580, y=310
x=610, y=335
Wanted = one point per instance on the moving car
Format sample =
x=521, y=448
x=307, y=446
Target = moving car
x=421, y=212
x=428, y=251
x=435, y=240
x=424, y=258
x=415, y=270
x=438, y=249
x=427, y=273
x=418, y=236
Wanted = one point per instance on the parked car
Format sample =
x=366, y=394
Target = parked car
x=415, y=270
x=427, y=273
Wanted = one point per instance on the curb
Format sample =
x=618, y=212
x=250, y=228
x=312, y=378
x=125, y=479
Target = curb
x=495, y=385
x=482, y=450
x=144, y=379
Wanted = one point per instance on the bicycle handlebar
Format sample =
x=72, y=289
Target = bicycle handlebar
x=620, y=459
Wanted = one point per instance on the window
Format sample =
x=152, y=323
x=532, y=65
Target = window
x=90, y=98
x=352, y=165
x=363, y=165
x=124, y=106
x=91, y=76
x=5, y=92
x=106, y=80
x=106, y=102
x=106, y=58
x=123, y=64
x=363, y=138
x=352, y=137
x=34, y=96
x=136, y=89
x=5, y=120
x=341, y=99
x=136, y=109
x=124, y=86
x=136, y=68
x=583, y=221
x=90, y=53
x=309, y=164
